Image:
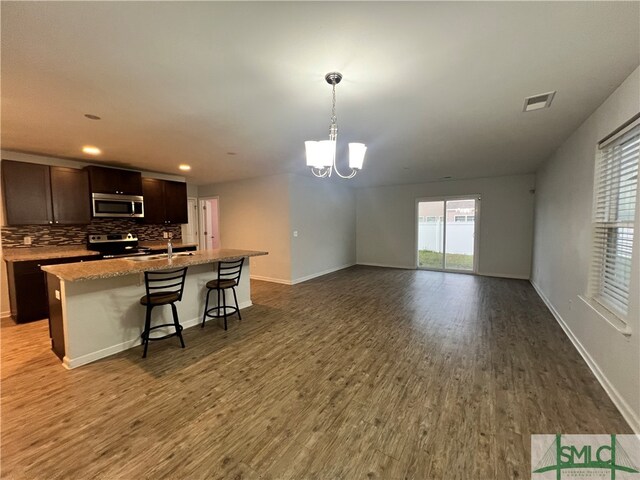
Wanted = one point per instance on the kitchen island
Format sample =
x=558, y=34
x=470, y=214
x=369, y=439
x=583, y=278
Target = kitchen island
x=28, y=283
x=95, y=307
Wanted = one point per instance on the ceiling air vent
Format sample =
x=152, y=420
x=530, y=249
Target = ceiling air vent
x=536, y=102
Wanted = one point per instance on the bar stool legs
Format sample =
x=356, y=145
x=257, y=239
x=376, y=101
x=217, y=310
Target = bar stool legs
x=235, y=299
x=206, y=306
x=162, y=287
x=228, y=278
x=177, y=324
x=220, y=310
x=145, y=334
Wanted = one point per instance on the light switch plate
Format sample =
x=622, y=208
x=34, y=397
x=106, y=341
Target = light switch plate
x=57, y=294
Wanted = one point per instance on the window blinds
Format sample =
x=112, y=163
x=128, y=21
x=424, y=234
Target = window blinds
x=615, y=197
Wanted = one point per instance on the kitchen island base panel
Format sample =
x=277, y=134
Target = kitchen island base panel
x=102, y=317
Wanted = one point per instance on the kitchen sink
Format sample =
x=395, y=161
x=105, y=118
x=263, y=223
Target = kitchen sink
x=158, y=256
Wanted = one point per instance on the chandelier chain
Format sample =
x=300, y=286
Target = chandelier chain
x=333, y=106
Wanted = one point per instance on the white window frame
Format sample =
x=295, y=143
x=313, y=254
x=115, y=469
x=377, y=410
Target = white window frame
x=609, y=293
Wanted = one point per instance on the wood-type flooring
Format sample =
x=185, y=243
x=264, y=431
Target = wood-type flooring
x=366, y=373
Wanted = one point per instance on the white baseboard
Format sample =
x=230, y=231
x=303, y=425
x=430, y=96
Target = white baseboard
x=70, y=363
x=384, y=265
x=301, y=279
x=5, y=314
x=324, y=272
x=499, y=275
x=271, y=279
x=623, y=407
x=504, y=275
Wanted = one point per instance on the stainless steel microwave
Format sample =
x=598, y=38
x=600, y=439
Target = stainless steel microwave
x=109, y=205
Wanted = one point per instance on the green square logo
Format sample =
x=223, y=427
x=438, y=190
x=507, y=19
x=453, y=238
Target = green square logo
x=610, y=457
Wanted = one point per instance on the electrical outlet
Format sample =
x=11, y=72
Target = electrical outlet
x=295, y=233
x=27, y=240
x=165, y=234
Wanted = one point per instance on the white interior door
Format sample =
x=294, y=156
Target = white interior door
x=190, y=230
x=210, y=224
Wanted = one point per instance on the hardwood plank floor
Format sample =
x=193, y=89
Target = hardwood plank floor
x=364, y=373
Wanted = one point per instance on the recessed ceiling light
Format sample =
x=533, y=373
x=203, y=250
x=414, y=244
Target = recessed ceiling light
x=536, y=102
x=184, y=167
x=91, y=116
x=91, y=150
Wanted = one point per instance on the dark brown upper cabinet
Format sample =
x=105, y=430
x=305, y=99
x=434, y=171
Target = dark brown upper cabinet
x=164, y=201
x=113, y=180
x=70, y=196
x=37, y=194
x=153, y=194
x=27, y=193
x=175, y=202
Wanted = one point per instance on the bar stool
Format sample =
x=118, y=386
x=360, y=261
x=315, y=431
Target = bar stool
x=228, y=278
x=163, y=288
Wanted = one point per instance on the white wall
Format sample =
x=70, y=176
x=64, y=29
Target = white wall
x=254, y=215
x=386, y=222
x=262, y=213
x=324, y=215
x=562, y=247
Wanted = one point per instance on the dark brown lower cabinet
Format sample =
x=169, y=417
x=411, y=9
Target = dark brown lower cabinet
x=28, y=287
x=56, y=326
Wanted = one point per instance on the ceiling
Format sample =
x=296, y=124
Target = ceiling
x=235, y=88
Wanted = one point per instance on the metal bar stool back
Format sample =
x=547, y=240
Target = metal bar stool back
x=228, y=278
x=163, y=287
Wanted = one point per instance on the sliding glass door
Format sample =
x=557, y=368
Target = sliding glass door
x=447, y=233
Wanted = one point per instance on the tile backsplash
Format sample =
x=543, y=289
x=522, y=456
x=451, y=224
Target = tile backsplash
x=56, y=235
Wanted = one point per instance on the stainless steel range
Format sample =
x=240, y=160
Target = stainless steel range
x=116, y=245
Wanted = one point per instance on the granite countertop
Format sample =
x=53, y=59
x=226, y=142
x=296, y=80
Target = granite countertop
x=25, y=254
x=73, y=272
x=162, y=245
x=45, y=253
